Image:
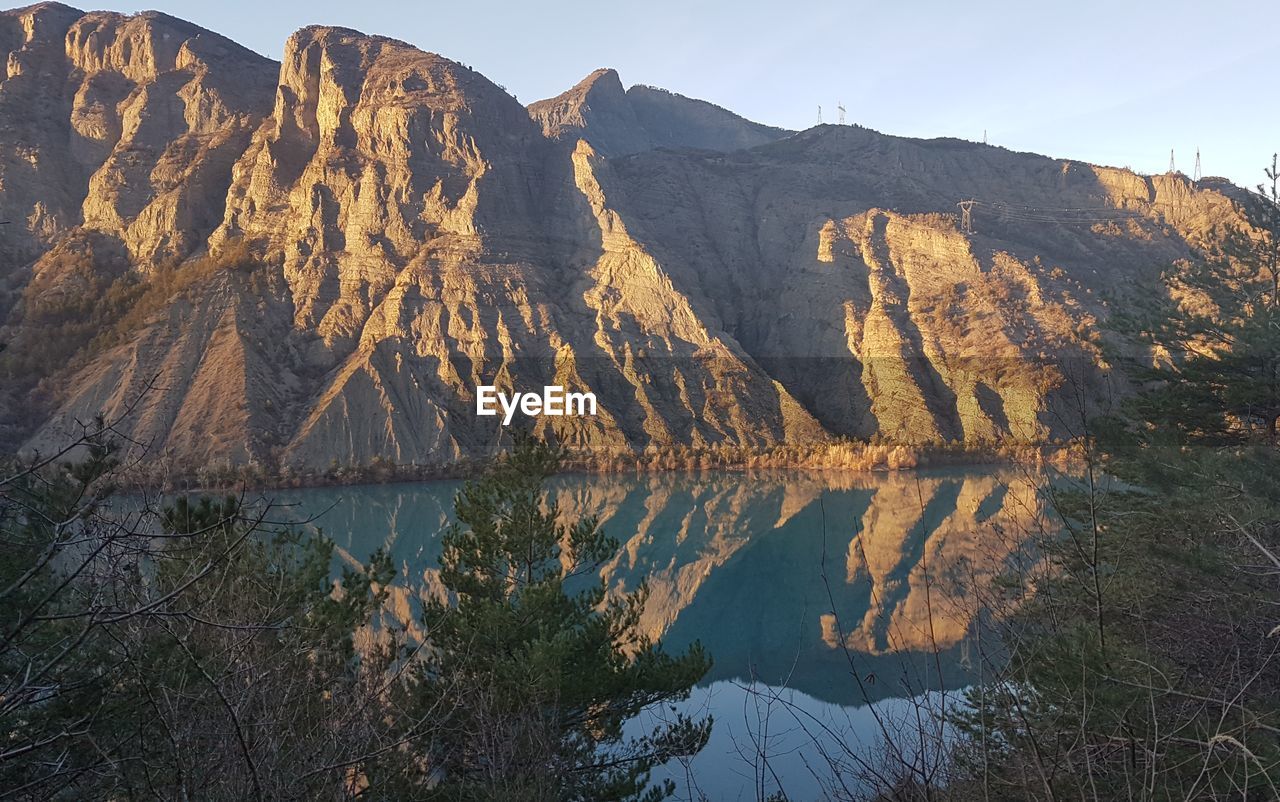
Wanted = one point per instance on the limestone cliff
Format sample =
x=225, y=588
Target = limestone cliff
x=317, y=261
x=122, y=125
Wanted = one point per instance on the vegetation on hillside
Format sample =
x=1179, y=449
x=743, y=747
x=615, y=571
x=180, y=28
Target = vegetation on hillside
x=84, y=303
x=1145, y=664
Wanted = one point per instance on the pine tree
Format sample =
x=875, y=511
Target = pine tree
x=207, y=656
x=532, y=667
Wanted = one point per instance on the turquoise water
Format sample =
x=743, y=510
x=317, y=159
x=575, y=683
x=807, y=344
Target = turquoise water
x=839, y=608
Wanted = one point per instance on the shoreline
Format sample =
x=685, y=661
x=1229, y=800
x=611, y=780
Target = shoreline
x=844, y=457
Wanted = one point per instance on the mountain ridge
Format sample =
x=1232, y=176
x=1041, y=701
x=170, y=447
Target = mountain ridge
x=316, y=261
x=624, y=121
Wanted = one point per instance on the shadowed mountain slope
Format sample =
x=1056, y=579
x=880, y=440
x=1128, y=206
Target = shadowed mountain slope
x=617, y=122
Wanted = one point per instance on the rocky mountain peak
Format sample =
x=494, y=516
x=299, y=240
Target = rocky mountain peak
x=618, y=122
x=47, y=22
x=110, y=118
x=603, y=82
x=596, y=108
x=140, y=47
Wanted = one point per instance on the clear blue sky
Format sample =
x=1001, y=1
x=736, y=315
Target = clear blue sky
x=1117, y=82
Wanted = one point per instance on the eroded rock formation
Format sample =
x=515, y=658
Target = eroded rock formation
x=317, y=261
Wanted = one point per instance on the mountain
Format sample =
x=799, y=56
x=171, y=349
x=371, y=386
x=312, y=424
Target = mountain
x=619, y=122
x=317, y=261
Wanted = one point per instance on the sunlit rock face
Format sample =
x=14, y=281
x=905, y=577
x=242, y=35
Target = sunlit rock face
x=318, y=261
x=126, y=126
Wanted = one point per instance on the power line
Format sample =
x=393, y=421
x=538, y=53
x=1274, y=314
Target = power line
x=1063, y=219
x=1078, y=215
x=1059, y=215
x=1055, y=209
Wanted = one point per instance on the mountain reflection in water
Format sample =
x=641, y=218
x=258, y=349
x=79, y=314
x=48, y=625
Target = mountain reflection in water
x=737, y=561
x=812, y=677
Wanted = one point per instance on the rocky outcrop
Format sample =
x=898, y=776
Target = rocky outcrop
x=596, y=109
x=122, y=125
x=320, y=260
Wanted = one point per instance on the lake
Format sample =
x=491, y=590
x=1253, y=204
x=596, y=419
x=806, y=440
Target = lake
x=840, y=609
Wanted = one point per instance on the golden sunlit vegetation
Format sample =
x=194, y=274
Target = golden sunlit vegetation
x=83, y=303
x=844, y=455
